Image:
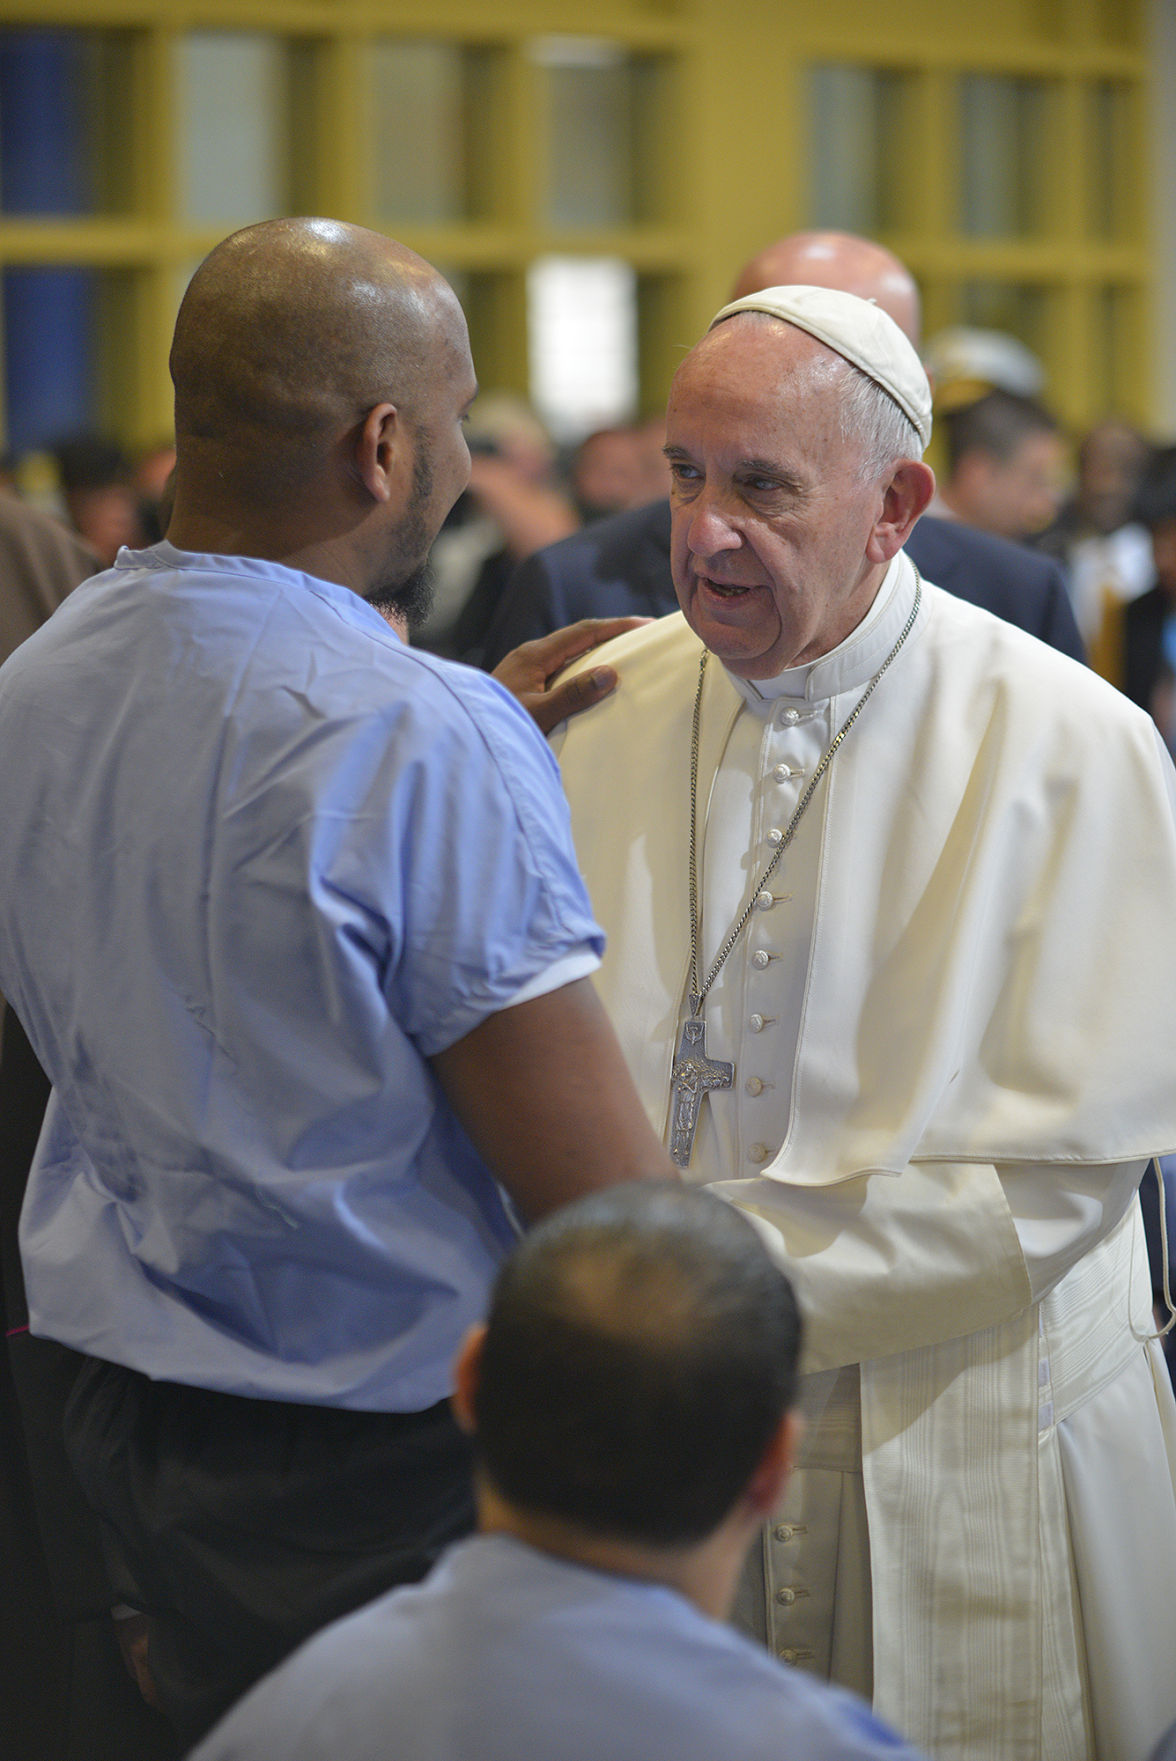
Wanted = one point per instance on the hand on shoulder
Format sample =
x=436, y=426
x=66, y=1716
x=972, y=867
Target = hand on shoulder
x=530, y=672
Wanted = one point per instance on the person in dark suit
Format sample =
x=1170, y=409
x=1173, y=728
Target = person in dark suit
x=1149, y=622
x=621, y=565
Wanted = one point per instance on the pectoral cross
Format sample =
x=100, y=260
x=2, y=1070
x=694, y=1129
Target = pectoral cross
x=693, y=1076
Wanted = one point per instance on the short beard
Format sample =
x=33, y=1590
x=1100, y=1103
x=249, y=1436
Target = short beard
x=409, y=599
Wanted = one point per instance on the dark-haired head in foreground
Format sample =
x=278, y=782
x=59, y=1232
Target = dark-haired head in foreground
x=630, y=1393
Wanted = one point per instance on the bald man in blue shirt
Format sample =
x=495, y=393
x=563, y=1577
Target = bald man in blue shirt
x=291, y=916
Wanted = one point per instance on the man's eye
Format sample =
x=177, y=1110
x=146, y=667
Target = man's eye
x=683, y=473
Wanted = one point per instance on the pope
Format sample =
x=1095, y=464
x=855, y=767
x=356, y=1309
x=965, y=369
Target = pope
x=888, y=892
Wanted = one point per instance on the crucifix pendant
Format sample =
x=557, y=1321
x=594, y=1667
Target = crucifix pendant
x=693, y=1076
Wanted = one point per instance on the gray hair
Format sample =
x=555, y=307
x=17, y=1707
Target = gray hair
x=870, y=417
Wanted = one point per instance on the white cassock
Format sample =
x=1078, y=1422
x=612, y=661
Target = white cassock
x=953, y=1024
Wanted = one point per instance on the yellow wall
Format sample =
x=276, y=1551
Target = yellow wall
x=727, y=162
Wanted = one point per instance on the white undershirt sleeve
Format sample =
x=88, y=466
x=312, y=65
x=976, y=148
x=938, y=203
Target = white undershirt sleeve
x=578, y=963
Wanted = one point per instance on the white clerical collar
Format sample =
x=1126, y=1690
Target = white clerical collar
x=853, y=663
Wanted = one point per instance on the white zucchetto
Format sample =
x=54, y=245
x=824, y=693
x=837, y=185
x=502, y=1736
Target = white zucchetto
x=857, y=329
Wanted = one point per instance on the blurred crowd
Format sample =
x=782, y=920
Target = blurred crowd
x=524, y=493
x=1102, y=504
x=105, y=494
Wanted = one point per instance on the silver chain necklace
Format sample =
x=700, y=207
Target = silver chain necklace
x=694, y=1074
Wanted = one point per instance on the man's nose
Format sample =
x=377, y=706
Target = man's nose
x=711, y=528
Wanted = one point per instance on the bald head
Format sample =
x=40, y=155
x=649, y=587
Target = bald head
x=839, y=260
x=291, y=330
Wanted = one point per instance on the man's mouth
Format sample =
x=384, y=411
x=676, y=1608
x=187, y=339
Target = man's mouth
x=724, y=589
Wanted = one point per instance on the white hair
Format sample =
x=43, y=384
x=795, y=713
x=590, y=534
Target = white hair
x=870, y=417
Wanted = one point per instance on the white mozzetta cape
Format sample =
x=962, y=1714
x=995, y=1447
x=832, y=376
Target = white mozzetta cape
x=996, y=907
x=991, y=987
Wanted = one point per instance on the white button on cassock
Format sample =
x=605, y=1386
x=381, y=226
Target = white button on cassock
x=758, y=1152
x=754, y=1085
x=782, y=772
x=764, y=901
x=756, y=1023
x=760, y=959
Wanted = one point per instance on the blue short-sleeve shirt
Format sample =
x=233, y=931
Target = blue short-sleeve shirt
x=261, y=862
x=506, y=1651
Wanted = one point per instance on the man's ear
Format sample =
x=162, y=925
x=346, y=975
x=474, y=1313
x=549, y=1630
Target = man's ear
x=903, y=500
x=466, y=1372
x=767, y=1483
x=378, y=449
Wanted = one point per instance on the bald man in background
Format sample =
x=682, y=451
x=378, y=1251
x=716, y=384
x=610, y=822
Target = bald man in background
x=291, y=916
x=623, y=564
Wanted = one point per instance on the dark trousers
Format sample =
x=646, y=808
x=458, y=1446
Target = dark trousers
x=242, y=1526
x=67, y=1695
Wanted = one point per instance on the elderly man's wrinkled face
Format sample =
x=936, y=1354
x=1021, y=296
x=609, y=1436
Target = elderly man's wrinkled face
x=771, y=520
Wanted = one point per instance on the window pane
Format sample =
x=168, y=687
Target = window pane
x=63, y=137
x=1003, y=146
x=420, y=99
x=590, y=100
x=1109, y=213
x=231, y=150
x=582, y=326
x=48, y=354
x=856, y=118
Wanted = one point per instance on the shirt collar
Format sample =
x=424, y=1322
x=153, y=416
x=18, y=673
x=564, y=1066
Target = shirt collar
x=165, y=556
